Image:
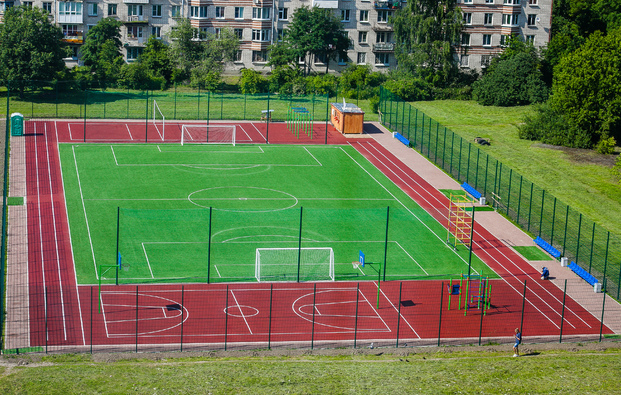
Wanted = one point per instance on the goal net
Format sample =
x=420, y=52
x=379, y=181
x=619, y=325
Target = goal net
x=281, y=264
x=208, y=134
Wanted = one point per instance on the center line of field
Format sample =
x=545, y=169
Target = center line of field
x=241, y=312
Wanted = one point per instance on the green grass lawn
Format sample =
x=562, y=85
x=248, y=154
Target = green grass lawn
x=163, y=195
x=574, y=177
x=451, y=370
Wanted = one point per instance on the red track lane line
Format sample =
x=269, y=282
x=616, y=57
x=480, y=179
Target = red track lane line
x=393, y=173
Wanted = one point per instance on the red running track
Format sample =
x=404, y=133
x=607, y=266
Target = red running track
x=154, y=314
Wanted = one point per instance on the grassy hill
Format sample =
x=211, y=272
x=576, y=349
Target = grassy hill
x=580, y=178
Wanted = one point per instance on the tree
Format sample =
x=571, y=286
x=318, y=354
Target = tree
x=513, y=79
x=30, y=46
x=156, y=59
x=102, y=49
x=586, y=86
x=316, y=32
x=426, y=35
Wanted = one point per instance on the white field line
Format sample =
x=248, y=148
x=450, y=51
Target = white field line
x=241, y=312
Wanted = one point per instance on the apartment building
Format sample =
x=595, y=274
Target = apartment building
x=259, y=23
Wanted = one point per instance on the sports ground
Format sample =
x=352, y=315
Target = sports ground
x=187, y=222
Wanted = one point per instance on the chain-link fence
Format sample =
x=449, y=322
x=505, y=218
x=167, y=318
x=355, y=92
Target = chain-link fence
x=538, y=212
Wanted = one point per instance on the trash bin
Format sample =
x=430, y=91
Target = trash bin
x=17, y=124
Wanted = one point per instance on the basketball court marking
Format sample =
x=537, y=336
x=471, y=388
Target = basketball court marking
x=241, y=311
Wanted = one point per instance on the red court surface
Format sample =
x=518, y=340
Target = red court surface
x=208, y=316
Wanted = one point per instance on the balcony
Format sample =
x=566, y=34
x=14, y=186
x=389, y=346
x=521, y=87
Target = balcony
x=76, y=19
x=334, y=4
x=387, y=5
x=382, y=27
x=73, y=38
x=136, y=19
x=136, y=1
x=383, y=47
x=135, y=41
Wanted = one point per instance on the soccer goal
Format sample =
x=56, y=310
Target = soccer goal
x=281, y=264
x=159, y=121
x=208, y=134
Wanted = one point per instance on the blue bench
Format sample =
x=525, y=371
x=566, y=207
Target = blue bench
x=586, y=276
x=401, y=138
x=547, y=247
x=468, y=188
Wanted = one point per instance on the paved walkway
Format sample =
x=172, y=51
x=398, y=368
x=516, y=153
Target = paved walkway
x=17, y=295
x=503, y=229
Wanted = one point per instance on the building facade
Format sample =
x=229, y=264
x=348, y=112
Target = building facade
x=259, y=23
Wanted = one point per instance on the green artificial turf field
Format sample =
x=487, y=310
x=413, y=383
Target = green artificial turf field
x=170, y=198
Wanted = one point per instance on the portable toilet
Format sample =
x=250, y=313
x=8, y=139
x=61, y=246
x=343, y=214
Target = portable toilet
x=17, y=124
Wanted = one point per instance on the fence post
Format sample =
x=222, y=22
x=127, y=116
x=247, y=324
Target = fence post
x=226, y=317
x=468, y=165
x=85, y=105
x=209, y=247
x=175, y=111
x=444, y=149
x=481, y=323
x=91, y=319
x=386, y=243
x=313, y=327
x=543, y=201
x=356, y=320
x=300, y=243
x=136, y=341
x=269, y=328
x=409, y=119
x=601, y=325
x=182, y=309
x=591, y=255
x=198, y=103
x=399, y=314
x=45, y=305
x=560, y=340
x=146, y=117
x=440, y=317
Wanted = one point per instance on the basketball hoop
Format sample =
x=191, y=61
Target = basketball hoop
x=355, y=264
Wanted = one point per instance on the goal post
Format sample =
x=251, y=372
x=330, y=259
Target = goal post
x=281, y=264
x=208, y=134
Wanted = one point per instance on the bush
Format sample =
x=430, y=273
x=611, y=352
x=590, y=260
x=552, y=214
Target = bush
x=410, y=89
x=552, y=127
x=251, y=81
x=322, y=84
x=374, y=101
x=606, y=146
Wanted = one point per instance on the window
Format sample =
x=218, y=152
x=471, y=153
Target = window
x=198, y=11
x=487, y=40
x=504, y=40
x=261, y=13
x=134, y=32
x=134, y=9
x=364, y=16
x=488, y=19
x=467, y=18
x=175, y=11
x=239, y=12
x=510, y=19
x=5, y=6
x=320, y=58
x=362, y=37
x=464, y=61
x=465, y=39
x=202, y=33
x=383, y=37
x=362, y=58
x=280, y=34
x=489, y=1
x=156, y=31
x=467, y=1
x=133, y=53
x=27, y=4
x=219, y=12
x=69, y=8
x=157, y=10
x=530, y=40
x=218, y=31
x=283, y=14
x=345, y=15
x=47, y=7
x=383, y=15
x=238, y=56
x=532, y=2
x=70, y=30
x=382, y=59
x=111, y=9
x=511, y=2
x=532, y=19
x=239, y=33
x=259, y=56
x=91, y=9
x=486, y=60
x=260, y=35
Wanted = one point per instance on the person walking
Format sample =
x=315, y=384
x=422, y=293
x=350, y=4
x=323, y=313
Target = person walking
x=518, y=340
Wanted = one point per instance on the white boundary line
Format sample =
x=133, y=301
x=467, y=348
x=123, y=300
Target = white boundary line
x=240, y=311
x=88, y=229
x=60, y=278
x=75, y=274
x=39, y=210
x=146, y=256
x=397, y=310
x=484, y=250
